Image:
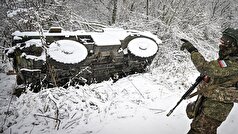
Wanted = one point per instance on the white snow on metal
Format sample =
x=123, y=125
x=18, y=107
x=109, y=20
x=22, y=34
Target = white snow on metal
x=36, y=42
x=105, y=39
x=67, y=51
x=109, y=36
x=143, y=47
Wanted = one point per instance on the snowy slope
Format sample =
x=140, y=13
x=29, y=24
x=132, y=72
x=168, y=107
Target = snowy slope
x=136, y=104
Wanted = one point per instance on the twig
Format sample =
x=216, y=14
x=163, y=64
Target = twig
x=43, y=41
x=136, y=88
x=5, y=118
x=57, y=115
x=80, y=72
x=32, y=128
x=47, y=117
x=70, y=123
x=52, y=73
x=58, y=120
x=109, y=87
x=160, y=112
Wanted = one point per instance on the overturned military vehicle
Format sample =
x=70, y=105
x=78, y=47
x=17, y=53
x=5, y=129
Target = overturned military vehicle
x=59, y=58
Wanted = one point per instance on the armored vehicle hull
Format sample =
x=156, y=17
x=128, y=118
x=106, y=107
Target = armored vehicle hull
x=61, y=58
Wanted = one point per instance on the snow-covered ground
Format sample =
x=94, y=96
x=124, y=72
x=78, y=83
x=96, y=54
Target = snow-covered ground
x=136, y=104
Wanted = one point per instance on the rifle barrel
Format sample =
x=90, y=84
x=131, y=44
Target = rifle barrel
x=187, y=93
x=171, y=111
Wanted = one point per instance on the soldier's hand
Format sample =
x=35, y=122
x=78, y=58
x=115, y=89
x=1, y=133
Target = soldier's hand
x=188, y=46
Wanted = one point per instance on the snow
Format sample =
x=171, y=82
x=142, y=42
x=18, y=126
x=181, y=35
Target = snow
x=143, y=47
x=104, y=39
x=149, y=34
x=12, y=13
x=10, y=50
x=35, y=58
x=109, y=36
x=30, y=70
x=17, y=38
x=136, y=104
x=17, y=33
x=46, y=33
x=67, y=51
x=71, y=52
x=36, y=42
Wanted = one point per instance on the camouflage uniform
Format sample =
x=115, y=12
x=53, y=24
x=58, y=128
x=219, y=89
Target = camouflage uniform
x=217, y=96
x=216, y=103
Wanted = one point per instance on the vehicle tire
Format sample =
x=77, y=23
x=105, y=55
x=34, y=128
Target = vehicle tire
x=66, y=53
x=142, y=47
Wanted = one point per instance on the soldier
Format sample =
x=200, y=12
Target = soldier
x=216, y=96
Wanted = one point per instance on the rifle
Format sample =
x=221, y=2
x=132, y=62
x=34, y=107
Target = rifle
x=186, y=94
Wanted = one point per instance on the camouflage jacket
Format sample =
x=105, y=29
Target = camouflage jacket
x=223, y=80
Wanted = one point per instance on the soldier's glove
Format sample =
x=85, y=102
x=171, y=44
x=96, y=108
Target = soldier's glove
x=188, y=46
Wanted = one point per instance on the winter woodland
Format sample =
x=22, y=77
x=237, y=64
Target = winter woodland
x=136, y=104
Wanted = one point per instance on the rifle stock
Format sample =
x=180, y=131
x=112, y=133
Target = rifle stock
x=187, y=93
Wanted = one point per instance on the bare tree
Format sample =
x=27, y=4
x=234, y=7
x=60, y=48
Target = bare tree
x=114, y=11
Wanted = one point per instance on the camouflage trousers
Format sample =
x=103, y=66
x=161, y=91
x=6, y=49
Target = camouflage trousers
x=210, y=117
x=204, y=125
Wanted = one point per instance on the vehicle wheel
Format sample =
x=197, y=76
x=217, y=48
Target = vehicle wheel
x=67, y=52
x=142, y=47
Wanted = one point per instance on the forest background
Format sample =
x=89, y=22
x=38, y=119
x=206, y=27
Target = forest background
x=162, y=17
x=172, y=72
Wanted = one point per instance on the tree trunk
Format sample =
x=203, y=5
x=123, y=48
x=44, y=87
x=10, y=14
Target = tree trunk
x=114, y=11
x=147, y=9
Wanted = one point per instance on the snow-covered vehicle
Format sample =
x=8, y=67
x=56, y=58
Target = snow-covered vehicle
x=56, y=57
